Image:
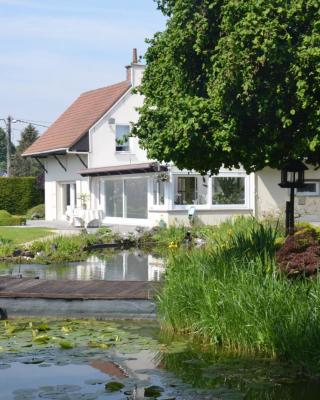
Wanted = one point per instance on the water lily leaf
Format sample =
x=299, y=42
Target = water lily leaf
x=66, y=329
x=66, y=344
x=114, y=386
x=153, y=391
x=43, y=327
x=41, y=339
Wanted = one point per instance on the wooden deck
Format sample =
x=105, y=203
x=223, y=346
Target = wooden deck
x=76, y=290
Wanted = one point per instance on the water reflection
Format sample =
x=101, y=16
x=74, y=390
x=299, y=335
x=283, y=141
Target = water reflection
x=231, y=377
x=122, y=266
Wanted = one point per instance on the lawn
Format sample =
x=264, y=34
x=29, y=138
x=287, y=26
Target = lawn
x=22, y=235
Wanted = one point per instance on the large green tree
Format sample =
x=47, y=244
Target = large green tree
x=22, y=166
x=233, y=82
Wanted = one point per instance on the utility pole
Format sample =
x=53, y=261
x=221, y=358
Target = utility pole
x=8, y=123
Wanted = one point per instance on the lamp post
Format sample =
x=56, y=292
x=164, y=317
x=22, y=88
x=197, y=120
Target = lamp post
x=292, y=177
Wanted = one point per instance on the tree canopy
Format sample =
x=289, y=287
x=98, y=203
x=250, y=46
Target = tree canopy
x=22, y=166
x=233, y=82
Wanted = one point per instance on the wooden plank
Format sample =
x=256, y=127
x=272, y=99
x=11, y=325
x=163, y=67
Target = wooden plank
x=67, y=289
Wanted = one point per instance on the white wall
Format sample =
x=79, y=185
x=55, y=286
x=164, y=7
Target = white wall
x=271, y=198
x=57, y=175
x=103, y=140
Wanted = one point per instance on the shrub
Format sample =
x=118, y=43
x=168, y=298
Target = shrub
x=300, y=253
x=36, y=212
x=242, y=305
x=18, y=194
x=6, y=219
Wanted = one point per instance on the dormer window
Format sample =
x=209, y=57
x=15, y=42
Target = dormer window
x=122, y=139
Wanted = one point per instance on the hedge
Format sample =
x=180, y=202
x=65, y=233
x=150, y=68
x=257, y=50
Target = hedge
x=18, y=194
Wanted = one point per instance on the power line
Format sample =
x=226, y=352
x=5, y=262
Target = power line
x=8, y=122
x=36, y=121
x=32, y=123
x=25, y=121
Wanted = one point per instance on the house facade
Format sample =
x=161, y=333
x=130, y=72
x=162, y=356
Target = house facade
x=94, y=171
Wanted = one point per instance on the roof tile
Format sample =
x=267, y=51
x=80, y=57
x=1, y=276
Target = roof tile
x=78, y=118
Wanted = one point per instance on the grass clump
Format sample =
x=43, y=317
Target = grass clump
x=234, y=296
x=36, y=212
x=61, y=249
x=6, y=219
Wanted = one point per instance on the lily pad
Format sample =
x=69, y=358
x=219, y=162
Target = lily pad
x=153, y=391
x=66, y=344
x=114, y=386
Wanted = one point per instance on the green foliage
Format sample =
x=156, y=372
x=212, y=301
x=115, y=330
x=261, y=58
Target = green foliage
x=22, y=166
x=233, y=82
x=3, y=151
x=18, y=235
x=6, y=219
x=62, y=248
x=36, y=212
x=18, y=194
x=232, y=296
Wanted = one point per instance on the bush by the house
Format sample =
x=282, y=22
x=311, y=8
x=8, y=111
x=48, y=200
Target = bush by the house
x=300, y=253
x=6, y=219
x=36, y=212
x=19, y=194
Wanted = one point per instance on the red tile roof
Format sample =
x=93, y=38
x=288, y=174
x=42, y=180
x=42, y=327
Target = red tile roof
x=78, y=119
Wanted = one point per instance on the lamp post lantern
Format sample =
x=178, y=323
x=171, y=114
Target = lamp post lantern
x=292, y=177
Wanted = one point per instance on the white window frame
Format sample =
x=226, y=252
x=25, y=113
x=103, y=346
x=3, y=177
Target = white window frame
x=125, y=220
x=158, y=207
x=209, y=206
x=245, y=205
x=310, y=194
x=187, y=206
x=128, y=151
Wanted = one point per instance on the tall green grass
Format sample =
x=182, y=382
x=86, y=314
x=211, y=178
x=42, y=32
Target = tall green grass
x=233, y=296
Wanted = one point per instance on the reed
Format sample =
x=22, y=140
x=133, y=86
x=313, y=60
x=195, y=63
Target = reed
x=233, y=296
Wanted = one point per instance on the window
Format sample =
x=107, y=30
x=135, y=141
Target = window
x=122, y=140
x=228, y=190
x=136, y=194
x=190, y=190
x=68, y=195
x=114, y=199
x=310, y=189
x=126, y=198
x=158, y=193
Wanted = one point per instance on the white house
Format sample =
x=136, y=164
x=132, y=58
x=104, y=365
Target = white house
x=84, y=162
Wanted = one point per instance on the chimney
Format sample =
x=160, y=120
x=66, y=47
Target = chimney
x=135, y=70
x=134, y=56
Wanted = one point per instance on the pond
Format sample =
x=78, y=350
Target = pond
x=118, y=266
x=77, y=360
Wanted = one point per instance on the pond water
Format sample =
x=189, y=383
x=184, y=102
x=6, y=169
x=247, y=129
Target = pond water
x=128, y=266
x=74, y=360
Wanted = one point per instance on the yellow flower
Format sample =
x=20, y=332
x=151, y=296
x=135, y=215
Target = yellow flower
x=173, y=245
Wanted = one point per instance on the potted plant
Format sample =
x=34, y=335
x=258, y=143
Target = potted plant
x=84, y=197
x=163, y=177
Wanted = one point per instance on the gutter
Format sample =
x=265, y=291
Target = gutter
x=45, y=153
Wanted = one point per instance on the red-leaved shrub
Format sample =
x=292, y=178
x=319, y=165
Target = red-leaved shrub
x=300, y=253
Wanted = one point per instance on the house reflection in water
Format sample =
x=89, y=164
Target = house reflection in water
x=128, y=266
x=122, y=266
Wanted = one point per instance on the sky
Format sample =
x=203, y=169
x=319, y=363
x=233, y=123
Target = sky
x=53, y=50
